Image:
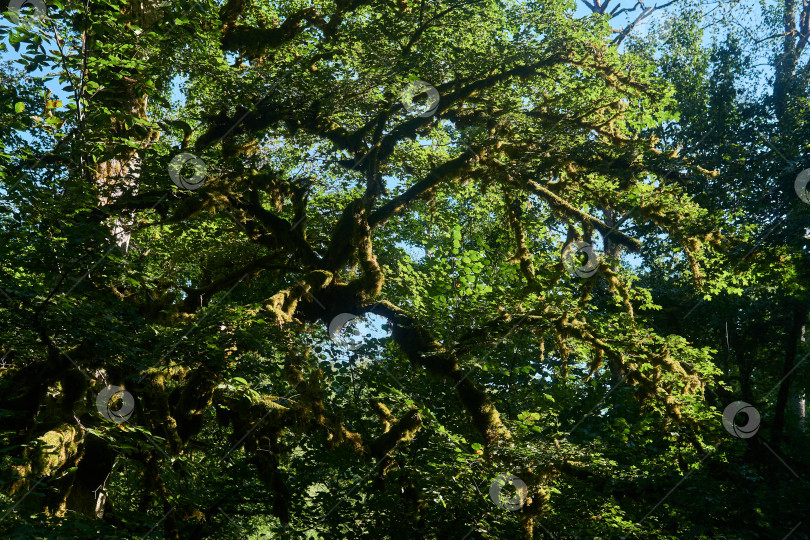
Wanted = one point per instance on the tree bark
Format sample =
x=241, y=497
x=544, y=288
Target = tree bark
x=795, y=324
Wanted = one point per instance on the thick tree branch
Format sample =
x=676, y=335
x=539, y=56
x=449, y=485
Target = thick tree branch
x=566, y=210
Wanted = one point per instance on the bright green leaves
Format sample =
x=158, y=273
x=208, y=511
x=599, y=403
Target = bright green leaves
x=530, y=421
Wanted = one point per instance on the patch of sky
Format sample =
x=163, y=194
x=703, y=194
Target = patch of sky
x=352, y=337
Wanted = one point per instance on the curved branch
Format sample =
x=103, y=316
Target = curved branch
x=565, y=209
x=421, y=347
x=448, y=171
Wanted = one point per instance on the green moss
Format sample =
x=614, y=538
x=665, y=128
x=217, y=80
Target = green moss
x=59, y=445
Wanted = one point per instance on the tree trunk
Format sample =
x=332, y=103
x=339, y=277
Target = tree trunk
x=795, y=325
x=798, y=404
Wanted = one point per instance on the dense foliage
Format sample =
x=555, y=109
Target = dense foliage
x=332, y=269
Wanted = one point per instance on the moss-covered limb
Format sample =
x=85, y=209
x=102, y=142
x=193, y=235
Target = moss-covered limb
x=58, y=445
x=253, y=42
x=654, y=386
x=627, y=157
x=611, y=74
x=485, y=416
x=249, y=270
x=422, y=348
x=616, y=286
x=269, y=181
x=453, y=94
x=594, y=119
x=308, y=413
x=62, y=485
x=312, y=413
x=446, y=172
x=402, y=430
x=195, y=397
x=662, y=206
x=383, y=413
x=61, y=446
x=267, y=463
x=697, y=275
x=281, y=232
x=284, y=303
x=567, y=211
x=245, y=413
x=300, y=199
x=456, y=92
x=340, y=248
x=537, y=500
x=54, y=450
x=232, y=10
x=638, y=158
x=190, y=206
x=669, y=215
x=522, y=255
x=157, y=410
x=94, y=467
x=496, y=329
x=371, y=282
x=572, y=327
x=254, y=419
x=374, y=179
x=293, y=363
x=23, y=390
x=159, y=201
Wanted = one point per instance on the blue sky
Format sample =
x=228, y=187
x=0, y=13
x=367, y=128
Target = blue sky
x=9, y=54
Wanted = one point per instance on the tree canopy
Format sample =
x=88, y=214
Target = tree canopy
x=404, y=269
